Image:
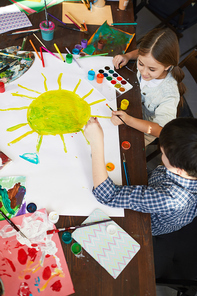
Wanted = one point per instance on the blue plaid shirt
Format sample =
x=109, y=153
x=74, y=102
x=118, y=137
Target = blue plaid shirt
x=170, y=199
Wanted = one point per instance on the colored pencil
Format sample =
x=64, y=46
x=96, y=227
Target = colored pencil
x=50, y=52
x=78, y=226
x=73, y=57
x=126, y=170
x=124, y=24
x=34, y=48
x=55, y=45
x=116, y=115
x=86, y=5
x=57, y=19
x=72, y=21
x=25, y=31
x=39, y=40
x=42, y=59
x=71, y=28
x=95, y=55
x=14, y=56
x=23, y=43
x=75, y=21
x=85, y=25
x=12, y=224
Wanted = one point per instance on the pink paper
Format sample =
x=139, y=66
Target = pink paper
x=36, y=266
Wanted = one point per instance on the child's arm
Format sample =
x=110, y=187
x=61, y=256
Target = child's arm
x=144, y=126
x=94, y=134
x=121, y=60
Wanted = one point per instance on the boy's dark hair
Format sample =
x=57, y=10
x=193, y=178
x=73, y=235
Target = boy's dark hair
x=178, y=138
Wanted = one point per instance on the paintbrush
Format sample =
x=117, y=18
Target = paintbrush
x=13, y=225
x=116, y=115
x=126, y=170
x=78, y=226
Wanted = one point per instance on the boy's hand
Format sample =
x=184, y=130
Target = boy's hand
x=93, y=132
x=120, y=60
x=115, y=120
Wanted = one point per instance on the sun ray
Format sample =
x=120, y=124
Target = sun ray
x=100, y=116
x=39, y=143
x=21, y=137
x=60, y=80
x=85, y=137
x=76, y=87
x=24, y=96
x=15, y=127
x=62, y=138
x=11, y=109
x=87, y=94
x=29, y=89
x=45, y=84
x=96, y=102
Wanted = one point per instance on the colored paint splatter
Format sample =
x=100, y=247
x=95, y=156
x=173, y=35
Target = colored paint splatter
x=51, y=113
x=56, y=286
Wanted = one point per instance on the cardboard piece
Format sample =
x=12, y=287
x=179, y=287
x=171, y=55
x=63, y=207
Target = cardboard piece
x=80, y=12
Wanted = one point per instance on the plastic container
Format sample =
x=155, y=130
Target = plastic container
x=53, y=217
x=2, y=87
x=99, y=78
x=91, y=75
x=76, y=249
x=124, y=104
x=84, y=43
x=67, y=237
x=69, y=58
x=47, y=33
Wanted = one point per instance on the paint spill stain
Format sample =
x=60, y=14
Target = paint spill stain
x=22, y=256
x=24, y=290
x=56, y=286
x=46, y=273
x=54, y=112
x=31, y=157
x=10, y=264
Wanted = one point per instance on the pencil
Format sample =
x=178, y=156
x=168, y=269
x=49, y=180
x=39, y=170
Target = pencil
x=50, y=52
x=39, y=40
x=42, y=59
x=95, y=55
x=12, y=224
x=85, y=4
x=57, y=19
x=124, y=24
x=25, y=31
x=55, y=45
x=116, y=115
x=72, y=21
x=75, y=21
x=73, y=57
x=126, y=170
x=34, y=48
x=85, y=25
x=14, y=56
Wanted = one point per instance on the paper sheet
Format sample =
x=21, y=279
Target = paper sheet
x=79, y=11
x=61, y=181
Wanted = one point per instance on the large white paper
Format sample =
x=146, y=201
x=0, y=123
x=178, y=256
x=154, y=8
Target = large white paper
x=61, y=181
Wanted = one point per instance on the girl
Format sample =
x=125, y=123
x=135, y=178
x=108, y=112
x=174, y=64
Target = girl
x=160, y=81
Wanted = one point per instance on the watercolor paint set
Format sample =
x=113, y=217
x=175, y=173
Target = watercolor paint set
x=120, y=84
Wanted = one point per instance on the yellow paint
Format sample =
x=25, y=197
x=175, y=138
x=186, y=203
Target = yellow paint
x=55, y=112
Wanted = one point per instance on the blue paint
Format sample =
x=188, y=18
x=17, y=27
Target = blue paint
x=31, y=157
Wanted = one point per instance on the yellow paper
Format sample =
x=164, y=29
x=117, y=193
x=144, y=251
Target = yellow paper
x=80, y=12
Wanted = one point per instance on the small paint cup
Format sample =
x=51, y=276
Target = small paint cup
x=31, y=207
x=53, y=217
x=100, y=44
x=111, y=229
x=78, y=46
x=126, y=145
x=67, y=237
x=69, y=58
x=91, y=75
x=123, y=4
x=99, y=78
x=2, y=87
x=99, y=3
x=84, y=43
x=124, y=104
x=47, y=33
x=76, y=249
x=75, y=51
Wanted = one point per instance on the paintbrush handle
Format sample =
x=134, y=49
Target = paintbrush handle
x=9, y=221
x=78, y=226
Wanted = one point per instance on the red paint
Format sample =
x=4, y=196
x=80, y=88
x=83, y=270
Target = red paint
x=34, y=245
x=123, y=82
x=24, y=290
x=10, y=263
x=47, y=256
x=46, y=273
x=113, y=82
x=18, y=245
x=27, y=277
x=32, y=253
x=119, y=78
x=56, y=286
x=54, y=265
x=22, y=256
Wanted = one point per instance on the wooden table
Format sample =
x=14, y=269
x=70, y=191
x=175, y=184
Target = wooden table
x=89, y=278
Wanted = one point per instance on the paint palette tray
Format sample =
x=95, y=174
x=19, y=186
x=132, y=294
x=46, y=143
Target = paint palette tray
x=120, y=84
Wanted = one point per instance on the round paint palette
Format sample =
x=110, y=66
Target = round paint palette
x=115, y=80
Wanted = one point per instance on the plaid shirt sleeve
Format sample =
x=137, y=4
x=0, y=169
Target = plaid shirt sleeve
x=141, y=198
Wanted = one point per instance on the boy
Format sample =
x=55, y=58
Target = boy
x=171, y=194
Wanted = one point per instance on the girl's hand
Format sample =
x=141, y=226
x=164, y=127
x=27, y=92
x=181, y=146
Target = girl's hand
x=93, y=132
x=115, y=120
x=120, y=60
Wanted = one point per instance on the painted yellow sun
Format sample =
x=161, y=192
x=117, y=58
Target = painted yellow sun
x=54, y=112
